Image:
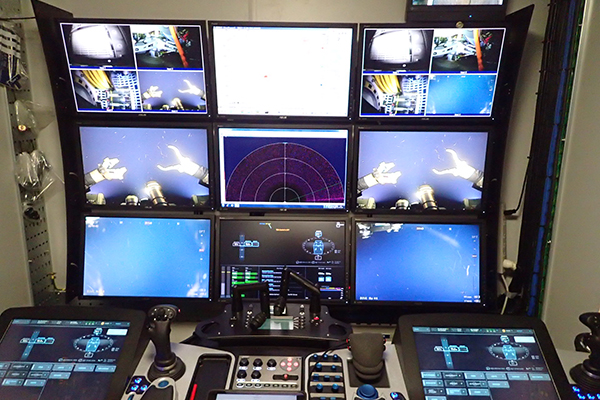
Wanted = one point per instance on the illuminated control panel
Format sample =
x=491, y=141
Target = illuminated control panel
x=265, y=372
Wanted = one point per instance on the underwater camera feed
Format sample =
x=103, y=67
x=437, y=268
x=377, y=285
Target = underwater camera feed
x=430, y=72
x=421, y=170
x=136, y=68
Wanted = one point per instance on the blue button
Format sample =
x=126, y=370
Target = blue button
x=163, y=384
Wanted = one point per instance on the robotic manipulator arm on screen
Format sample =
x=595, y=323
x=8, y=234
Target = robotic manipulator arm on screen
x=315, y=295
x=463, y=170
x=105, y=171
x=187, y=166
x=380, y=176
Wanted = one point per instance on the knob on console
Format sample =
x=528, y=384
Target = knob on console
x=367, y=392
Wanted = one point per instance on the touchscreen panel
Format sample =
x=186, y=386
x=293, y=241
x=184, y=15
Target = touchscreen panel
x=60, y=359
x=256, y=396
x=482, y=363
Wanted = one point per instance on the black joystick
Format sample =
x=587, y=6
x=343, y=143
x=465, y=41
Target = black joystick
x=166, y=363
x=367, y=355
x=587, y=374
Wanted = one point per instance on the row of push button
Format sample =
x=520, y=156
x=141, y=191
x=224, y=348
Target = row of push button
x=259, y=385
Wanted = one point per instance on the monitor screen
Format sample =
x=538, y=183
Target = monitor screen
x=429, y=72
x=146, y=257
x=455, y=10
x=418, y=262
x=456, y=2
x=136, y=67
x=484, y=362
x=421, y=170
x=258, y=250
x=283, y=168
x=141, y=166
x=274, y=70
x=48, y=359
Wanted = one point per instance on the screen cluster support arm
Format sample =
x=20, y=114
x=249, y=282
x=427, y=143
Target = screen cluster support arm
x=315, y=294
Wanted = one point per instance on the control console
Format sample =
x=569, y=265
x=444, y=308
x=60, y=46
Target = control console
x=331, y=376
x=280, y=373
x=326, y=377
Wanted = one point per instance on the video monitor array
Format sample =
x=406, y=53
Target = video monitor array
x=447, y=72
x=137, y=68
x=391, y=262
x=208, y=155
x=273, y=71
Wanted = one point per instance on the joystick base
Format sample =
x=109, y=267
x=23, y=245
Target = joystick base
x=174, y=371
x=585, y=379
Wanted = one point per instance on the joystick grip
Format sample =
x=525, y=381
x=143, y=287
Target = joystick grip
x=166, y=363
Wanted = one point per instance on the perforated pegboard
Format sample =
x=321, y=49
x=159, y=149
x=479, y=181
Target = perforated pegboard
x=36, y=229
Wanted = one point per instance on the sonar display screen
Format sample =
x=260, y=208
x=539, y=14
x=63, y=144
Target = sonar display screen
x=283, y=168
x=146, y=257
x=150, y=68
x=486, y=363
x=254, y=251
x=410, y=262
x=417, y=170
x=145, y=166
x=429, y=72
x=60, y=359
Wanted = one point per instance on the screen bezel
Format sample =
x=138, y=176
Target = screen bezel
x=71, y=144
x=405, y=340
x=75, y=267
x=455, y=12
x=135, y=341
x=292, y=118
x=292, y=127
x=332, y=218
x=492, y=171
x=379, y=309
x=497, y=100
x=67, y=97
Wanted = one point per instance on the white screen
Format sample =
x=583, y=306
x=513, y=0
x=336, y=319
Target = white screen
x=283, y=71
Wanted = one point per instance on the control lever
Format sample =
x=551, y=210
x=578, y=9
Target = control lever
x=315, y=295
x=166, y=363
x=237, y=306
x=587, y=374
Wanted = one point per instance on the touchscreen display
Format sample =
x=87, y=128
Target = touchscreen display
x=482, y=363
x=59, y=359
x=256, y=396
